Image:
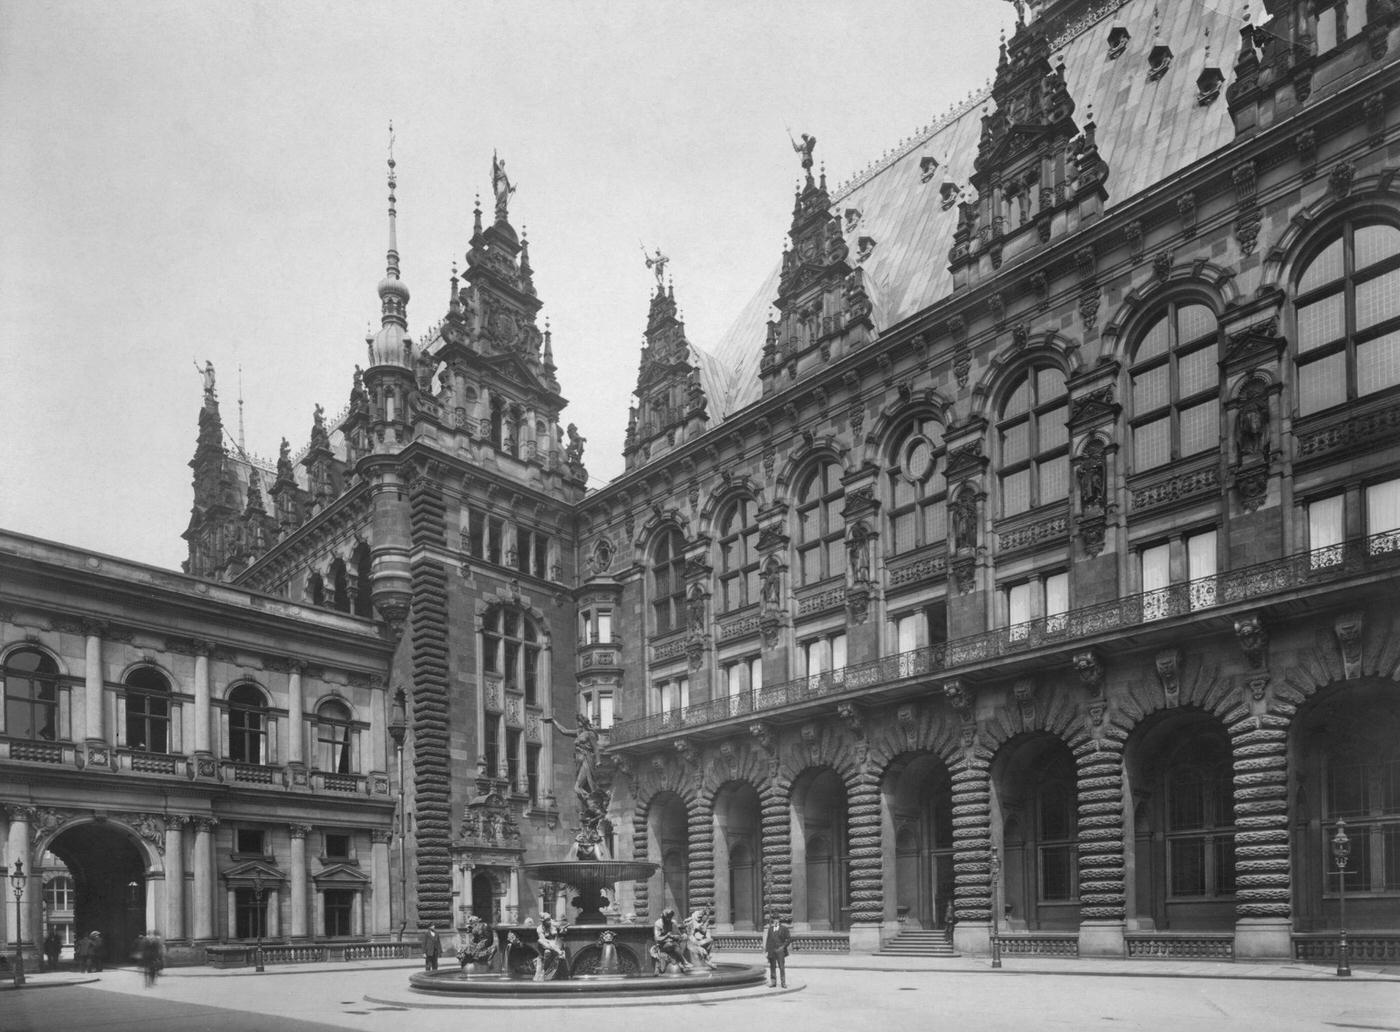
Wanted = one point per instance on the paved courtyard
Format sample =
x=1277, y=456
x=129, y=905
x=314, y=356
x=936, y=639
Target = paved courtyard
x=825, y=994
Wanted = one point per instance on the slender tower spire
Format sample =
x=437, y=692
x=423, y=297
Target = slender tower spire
x=390, y=345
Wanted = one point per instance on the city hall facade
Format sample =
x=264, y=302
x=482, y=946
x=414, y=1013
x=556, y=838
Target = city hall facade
x=1022, y=563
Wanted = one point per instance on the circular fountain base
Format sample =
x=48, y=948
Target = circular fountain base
x=455, y=983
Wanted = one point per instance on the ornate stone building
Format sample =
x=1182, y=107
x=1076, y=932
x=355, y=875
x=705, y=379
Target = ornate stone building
x=1023, y=560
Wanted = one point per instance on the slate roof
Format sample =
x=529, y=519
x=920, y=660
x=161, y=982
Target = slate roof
x=1147, y=130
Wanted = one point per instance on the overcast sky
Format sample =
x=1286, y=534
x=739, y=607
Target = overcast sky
x=191, y=181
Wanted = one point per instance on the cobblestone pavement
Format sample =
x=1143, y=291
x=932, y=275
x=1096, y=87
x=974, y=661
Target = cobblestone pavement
x=825, y=994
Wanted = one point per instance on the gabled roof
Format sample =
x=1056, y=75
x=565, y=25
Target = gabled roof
x=1148, y=129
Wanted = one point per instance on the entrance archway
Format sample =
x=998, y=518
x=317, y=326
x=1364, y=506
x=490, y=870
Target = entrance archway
x=108, y=869
x=821, y=855
x=484, y=898
x=738, y=889
x=1036, y=785
x=918, y=799
x=668, y=839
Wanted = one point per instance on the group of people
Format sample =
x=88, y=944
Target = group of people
x=90, y=951
x=685, y=943
x=149, y=954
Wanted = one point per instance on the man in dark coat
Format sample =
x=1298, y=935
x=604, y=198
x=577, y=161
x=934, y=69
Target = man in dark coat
x=432, y=948
x=776, y=939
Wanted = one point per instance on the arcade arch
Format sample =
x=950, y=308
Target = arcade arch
x=917, y=828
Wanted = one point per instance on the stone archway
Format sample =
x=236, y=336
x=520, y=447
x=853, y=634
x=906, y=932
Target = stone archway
x=917, y=797
x=114, y=892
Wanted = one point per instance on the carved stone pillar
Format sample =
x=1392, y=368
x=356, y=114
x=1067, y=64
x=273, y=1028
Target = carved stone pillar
x=1263, y=857
x=641, y=889
x=296, y=706
x=201, y=704
x=1101, y=889
x=972, y=844
x=381, y=882
x=776, y=831
x=203, y=923
x=96, y=734
x=701, y=835
x=175, y=877
x=867, y=892
x=298, y=879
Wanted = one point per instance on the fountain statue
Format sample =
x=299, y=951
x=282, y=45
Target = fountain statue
x=588, y=954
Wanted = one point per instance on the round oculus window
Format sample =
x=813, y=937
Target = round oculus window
x=917, y=462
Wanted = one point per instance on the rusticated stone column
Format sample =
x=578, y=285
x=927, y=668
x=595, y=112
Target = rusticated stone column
x=1101, y=891
x=774, y=809
x=641, y=888
x=972, y=844
x=431, y=768
x=1263, y=860
x=701, y=833
x=867, y=892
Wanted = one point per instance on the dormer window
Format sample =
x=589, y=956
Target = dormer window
x=1117, y=42
x=865, y=246
x=1208, y=85
x=1158, y=62
x=949, y=192
x=928, y=166
x=852, y=218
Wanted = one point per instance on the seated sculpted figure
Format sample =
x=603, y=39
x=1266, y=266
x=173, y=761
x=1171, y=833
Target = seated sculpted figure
x=477, y=945
x=668, y=942
x=697, y=927
x=550, y=946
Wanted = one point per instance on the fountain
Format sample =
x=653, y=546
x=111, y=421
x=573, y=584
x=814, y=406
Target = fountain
x=598, y=956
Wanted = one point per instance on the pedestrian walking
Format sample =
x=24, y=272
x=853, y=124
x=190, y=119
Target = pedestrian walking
x=53, y=946
x=97, y=950
x=82, y=953
x=432, y=948
x=776, y=940
x=152, y=959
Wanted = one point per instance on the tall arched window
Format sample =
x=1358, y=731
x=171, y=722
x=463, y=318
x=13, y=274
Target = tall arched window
x=510, y=647
x=247, y=724
x=1034, y=441
x=31, y=695
x=918, y=498
x=1201, y=819
x=668, y=582
x=333, y=720
x=1175, y=386
x=738, y=554
x=340, y=584
x=1347, y=303
x=147, y=710
x=363, y=571
x=821, y=529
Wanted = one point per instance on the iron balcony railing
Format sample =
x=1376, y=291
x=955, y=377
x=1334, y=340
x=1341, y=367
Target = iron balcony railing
x=1339, y=562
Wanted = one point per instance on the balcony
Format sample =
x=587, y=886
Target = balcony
x=1251, y=585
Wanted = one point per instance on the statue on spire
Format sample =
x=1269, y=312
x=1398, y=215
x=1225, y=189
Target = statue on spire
x=500, y=186
x=208, y=373
x=805, y=148
x=657, y=265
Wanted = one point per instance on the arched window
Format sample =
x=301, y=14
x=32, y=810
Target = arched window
x=1034, y=441
x=1201, y=819
x=340, y=586
x=510, y=648
x=1175, y=386
x=363, y=569
x=668, y=582
x=316, y=589
x=31, y=695
x=147, y=711
x=738, y=554
x=1347, y=303
x=918, y=497
x=821, y=529
x=247, y=724
x=333, y=721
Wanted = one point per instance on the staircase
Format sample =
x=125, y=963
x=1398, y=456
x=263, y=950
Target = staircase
x=915, y=942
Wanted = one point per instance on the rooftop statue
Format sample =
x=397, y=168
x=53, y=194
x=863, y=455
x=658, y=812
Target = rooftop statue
x=500, y=186
x=805, y=148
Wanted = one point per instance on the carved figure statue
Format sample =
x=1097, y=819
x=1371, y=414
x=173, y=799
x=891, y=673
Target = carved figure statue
x=964, y=513
x=549, y=944
x=208, y=373
x=858, y=554
x=573, y=451
x=476, y=945
x=657, y=265
x=1090, y=475
x=700, y=941
x=771, y=583
x=1252, y=428
x=668, y=942
x=500, y=186
x=805, y=148
x=319, y=437
x=592, y=800
x=695, y=611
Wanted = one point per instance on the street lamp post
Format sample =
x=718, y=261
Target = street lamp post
x=17, y=880
x=994, y=864
x=1341, y=851
x=258, y=917
x=398, y=730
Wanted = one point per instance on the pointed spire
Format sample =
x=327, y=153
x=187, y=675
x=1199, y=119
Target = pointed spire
x=393, y=292
x=548, y=360
x=454, y=302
